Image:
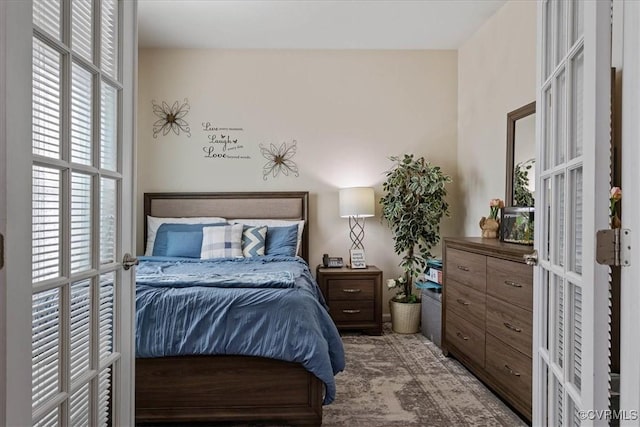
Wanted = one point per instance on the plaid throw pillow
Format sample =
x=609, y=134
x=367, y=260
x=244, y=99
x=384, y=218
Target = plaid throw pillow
x=222, y=242
x=253, y=241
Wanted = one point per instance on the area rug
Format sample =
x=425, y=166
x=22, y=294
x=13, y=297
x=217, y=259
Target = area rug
x=405, y=380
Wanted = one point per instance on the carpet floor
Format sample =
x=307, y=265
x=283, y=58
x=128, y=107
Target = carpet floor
x=405, y=380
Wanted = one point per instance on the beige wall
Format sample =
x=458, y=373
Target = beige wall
x=348, y=111
x=496, y=74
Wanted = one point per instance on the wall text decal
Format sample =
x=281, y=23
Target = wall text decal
x=223, y=143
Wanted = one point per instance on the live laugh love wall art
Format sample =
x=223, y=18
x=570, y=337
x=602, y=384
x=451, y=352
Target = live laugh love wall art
x=224, y=142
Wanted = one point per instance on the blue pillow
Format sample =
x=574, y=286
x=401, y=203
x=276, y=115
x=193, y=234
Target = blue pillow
x=282, y=240
x=184, y=243
x=161, y=242
x=254, y=241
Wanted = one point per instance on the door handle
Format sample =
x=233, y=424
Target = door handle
x=129, y=261
x=532, y=258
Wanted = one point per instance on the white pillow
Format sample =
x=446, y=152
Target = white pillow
x=153, y=223
x=222, y=242
x=275, y=223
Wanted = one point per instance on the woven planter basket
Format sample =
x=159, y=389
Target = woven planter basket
x=405, y=318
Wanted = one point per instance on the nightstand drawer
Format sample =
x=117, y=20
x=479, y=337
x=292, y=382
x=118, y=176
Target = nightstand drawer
x=352, y=311
x=467, y=268
x=511, y=324
x=511, y=282
x=350, y=289
x=465, y=336
x=465, y=301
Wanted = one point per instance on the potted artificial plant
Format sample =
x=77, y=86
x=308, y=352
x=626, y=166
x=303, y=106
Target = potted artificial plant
x=413, y=205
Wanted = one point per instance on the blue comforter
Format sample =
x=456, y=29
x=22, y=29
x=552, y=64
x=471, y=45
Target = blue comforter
x=263, y=306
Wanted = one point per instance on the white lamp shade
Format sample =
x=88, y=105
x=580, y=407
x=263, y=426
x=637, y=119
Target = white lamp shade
x=356, y=201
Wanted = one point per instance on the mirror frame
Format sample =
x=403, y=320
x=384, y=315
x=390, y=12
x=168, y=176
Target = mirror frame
x=512, y=117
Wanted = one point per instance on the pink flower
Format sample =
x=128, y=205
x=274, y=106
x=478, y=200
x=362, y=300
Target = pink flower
x=615, y=194
x=495, y=205
x=614, y=197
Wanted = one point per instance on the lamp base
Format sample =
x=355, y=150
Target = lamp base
x=357, y=258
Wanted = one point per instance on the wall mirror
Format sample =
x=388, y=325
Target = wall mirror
x=521, y=154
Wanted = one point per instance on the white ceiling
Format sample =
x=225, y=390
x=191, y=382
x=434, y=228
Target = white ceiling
x=311, y=24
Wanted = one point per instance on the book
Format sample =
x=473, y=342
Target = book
x=435, y=263
x=427, y=284
x=434, y=275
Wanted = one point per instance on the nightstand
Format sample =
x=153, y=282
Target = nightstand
x=354, y=297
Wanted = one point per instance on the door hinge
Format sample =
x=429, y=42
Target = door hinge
x=613, y=247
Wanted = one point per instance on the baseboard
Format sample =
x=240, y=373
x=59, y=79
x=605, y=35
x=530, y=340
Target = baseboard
x=386, y=317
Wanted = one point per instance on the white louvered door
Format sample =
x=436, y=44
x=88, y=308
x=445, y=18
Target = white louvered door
x=570, y=378
x=82, y=77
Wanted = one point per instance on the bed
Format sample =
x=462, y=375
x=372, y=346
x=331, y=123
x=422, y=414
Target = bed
x=198, y=388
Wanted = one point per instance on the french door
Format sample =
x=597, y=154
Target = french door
x=72, y=155
x=571, y=290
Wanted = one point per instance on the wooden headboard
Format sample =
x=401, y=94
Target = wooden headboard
x=293, y=205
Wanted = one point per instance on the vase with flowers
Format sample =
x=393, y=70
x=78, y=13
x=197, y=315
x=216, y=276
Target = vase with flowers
x=615, y=195
x=491, y=225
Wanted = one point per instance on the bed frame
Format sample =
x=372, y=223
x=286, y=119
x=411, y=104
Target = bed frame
x=196, y=389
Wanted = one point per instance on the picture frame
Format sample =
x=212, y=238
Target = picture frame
x=357, y=258
x=517, y=225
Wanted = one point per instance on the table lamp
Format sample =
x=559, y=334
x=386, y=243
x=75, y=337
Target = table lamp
x=357, y=203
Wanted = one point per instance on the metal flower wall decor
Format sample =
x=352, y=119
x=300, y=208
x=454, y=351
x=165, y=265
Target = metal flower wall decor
x=279, y=160
x=171, y=118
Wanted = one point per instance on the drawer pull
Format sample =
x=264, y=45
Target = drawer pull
x=463, y=268
x=463, y=302
x=510, y=326
x=514, y=284
x=351, y=311
x=511, y=371
x=352, y=291
x=459, y=334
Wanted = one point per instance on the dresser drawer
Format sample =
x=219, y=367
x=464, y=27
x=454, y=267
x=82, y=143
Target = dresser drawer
x=467, y=268
x=511, y=324
x=466, y=337
x=510, y=281
x=465, y=301
x=352, y=311
x=350, y=289
x=511, y=369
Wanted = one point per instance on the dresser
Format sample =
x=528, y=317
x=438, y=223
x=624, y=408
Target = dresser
x=487, y=314
x=354, y=297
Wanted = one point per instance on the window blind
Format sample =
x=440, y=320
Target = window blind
x=108, y=127
x=46, y=227
x=79, y=328
x=107, y=220
x=46, y=100
x=81, y=189
x=81, y=115
x=81, y=28
x=46, y=15
x=109, y=33
x=45, y=346
x=79, y=407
